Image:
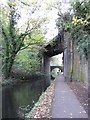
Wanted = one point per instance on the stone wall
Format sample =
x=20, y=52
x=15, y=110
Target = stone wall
x=74, y=67
x=80, y=67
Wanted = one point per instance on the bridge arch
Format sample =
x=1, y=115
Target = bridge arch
x=54, y=48
x=53, y=67
x=54, y=70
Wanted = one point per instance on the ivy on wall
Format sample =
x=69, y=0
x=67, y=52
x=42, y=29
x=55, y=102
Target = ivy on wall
x=78, y=24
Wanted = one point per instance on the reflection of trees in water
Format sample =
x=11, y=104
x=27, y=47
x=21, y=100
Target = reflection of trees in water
x=8, y=104
x=20, y=99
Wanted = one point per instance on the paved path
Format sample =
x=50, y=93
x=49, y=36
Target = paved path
x=65, y=104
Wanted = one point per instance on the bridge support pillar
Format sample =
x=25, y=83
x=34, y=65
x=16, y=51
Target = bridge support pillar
x=46, y=68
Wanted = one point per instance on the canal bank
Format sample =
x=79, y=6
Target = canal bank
x=42, y=108
x=19, y=98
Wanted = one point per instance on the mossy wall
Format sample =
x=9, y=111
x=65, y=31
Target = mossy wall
x=78, y=68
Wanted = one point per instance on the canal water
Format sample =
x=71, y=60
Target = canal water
x=19, y=99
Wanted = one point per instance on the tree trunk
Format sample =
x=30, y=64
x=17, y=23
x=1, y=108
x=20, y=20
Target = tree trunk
x=8, y=66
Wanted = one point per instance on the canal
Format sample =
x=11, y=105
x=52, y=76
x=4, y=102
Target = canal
x=19, y=99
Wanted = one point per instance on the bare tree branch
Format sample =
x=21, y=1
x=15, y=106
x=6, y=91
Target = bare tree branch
x=24, y=3
x=29, y=44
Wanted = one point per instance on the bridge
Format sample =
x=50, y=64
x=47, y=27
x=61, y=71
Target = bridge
x=53, y=67
x=73, y=66
x=57, y=46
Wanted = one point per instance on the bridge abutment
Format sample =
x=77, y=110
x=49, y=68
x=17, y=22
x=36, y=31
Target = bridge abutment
x=46, y=68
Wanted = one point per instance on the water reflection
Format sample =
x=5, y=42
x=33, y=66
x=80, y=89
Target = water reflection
x=19, y=99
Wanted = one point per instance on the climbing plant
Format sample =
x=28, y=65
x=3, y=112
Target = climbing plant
x=16, y=35
x=78, y=24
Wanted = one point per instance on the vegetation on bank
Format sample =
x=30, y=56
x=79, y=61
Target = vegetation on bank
x=22, y=78
x=21, y=42
x=77, y=23
x=42, y=108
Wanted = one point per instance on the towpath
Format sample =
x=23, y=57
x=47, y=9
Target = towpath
x=65, y=104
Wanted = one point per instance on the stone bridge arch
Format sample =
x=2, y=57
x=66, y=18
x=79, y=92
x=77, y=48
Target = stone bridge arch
x=53, y=67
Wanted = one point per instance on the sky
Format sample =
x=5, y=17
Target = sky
x=56, y=60
x=52, y=30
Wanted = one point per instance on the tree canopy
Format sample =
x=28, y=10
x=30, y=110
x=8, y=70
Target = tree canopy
x=20, y=31
x=78, y=24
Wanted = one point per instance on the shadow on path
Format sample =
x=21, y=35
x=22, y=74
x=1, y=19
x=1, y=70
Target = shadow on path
x=65, y=104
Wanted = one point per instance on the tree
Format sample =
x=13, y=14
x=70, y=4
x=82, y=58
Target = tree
x=13, y=37
x=78, y=26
